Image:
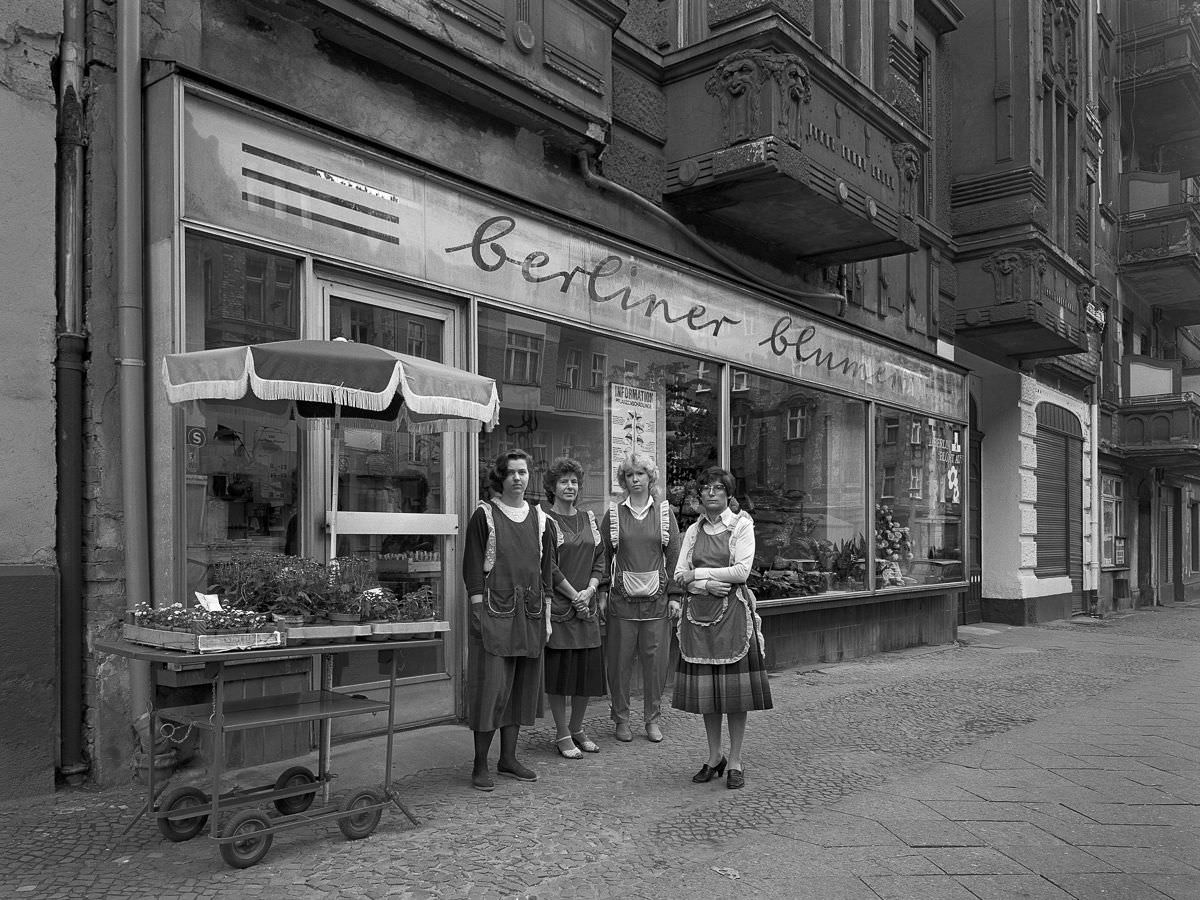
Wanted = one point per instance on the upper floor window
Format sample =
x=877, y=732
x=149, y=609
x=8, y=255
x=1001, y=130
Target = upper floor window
x=572, y=366
x=738, y=430
x=599, y=369
x=739, y=380
x=797, y=423
x=523, y=358
x=891, y=430
x=418, y=338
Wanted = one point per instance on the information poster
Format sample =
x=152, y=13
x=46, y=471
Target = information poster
x=633, y=424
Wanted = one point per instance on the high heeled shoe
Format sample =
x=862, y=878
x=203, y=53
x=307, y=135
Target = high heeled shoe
x=707, y=772
x=736, y=779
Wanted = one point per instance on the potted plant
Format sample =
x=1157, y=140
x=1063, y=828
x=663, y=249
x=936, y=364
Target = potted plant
x=291, y=609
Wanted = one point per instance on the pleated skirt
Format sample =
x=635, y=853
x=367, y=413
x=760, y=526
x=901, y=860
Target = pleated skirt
x=736, y=687
x=576, y=673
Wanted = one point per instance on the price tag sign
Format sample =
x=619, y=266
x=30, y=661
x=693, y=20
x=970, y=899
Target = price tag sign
x=209, y=602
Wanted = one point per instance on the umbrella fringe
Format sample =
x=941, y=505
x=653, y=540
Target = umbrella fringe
x=376, y=401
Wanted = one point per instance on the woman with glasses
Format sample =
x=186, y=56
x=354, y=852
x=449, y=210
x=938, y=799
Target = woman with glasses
x=508, y=563
x=721, y=668
x=574, y=658
x=641, y=544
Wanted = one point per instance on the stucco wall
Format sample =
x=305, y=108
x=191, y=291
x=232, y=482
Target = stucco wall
x=28, y=594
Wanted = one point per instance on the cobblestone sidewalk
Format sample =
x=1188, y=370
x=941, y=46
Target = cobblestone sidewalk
x=1060, y=761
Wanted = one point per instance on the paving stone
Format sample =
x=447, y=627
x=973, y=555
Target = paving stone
x=1108, y=887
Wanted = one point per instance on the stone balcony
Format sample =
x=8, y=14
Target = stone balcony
x=1160, y=82
x=1162, y=430
x=1020, y=302
x=1159, y=259
x=771, y=149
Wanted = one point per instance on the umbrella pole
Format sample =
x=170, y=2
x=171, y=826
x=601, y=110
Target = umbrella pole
x=337, y=462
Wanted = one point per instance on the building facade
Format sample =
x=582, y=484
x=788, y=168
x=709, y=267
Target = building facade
x=724, y=233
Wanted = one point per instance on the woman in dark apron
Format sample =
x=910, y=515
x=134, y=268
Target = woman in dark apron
x=721, y=668
x=574, y=658
x=507, y=567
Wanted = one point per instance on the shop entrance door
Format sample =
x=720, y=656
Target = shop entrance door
x=399, y=498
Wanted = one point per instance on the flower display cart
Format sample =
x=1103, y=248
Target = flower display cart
x=237, y=820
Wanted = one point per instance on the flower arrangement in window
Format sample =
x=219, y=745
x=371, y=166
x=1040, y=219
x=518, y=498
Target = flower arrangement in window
x=892, y=546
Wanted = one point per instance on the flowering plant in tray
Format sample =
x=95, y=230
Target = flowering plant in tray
x=197, y=620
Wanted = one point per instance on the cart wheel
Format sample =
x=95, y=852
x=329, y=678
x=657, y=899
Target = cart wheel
x=188, y=797
x=250, y=848
x=292, y=777
x=358, y=825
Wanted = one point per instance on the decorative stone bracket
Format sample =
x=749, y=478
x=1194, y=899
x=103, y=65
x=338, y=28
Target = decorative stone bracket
x=737, y=83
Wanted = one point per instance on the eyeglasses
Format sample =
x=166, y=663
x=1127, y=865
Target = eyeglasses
x=713, y=488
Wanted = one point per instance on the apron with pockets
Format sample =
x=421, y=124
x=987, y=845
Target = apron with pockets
x=576, y=556
x=512, y=620
x=638, y=582
x=715, y=630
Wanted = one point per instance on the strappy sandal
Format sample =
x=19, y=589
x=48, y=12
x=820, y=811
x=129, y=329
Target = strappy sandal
x=584, y=743
x=570, y=751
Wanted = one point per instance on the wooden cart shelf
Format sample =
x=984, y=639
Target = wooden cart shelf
x=280, y=709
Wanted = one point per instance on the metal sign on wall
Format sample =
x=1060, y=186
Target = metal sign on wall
x=254, y=174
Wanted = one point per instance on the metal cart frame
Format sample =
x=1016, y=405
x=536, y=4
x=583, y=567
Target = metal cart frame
x=247, y=836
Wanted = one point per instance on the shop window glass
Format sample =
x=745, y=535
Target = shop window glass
x=240, y=465
x=807, y=499
x=648, y=397
x=918, y=532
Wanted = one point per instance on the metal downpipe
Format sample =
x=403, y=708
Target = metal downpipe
x=69, y=380
x=131, y=345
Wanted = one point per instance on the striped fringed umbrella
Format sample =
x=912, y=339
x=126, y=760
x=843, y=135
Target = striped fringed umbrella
x=336, y=379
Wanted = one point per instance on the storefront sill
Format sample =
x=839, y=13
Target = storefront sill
x=830, y=599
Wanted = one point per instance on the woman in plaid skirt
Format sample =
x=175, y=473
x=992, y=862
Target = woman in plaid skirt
x=721, y=668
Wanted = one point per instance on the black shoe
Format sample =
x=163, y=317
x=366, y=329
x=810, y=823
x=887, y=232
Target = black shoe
x=707, y=772
x=736, y=779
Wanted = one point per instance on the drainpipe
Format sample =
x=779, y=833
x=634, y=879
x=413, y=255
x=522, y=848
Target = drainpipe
x=131, y=362
x=69, y=375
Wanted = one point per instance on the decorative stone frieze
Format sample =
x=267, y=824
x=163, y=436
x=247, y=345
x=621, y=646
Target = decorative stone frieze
x=736, y=82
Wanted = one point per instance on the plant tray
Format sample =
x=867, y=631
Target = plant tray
x=408, y=566
x=326, y=632
x=190, y=642
x=426, y=627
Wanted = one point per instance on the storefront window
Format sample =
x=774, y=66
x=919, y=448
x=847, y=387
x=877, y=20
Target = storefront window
x=917, y=530
x=801, y=474
x=635, y=396
x=240, y=465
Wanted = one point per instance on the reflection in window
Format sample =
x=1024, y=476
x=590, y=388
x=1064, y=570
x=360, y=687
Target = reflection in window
x=599, y=370
x=679, y=424
x=571, y=367
x=737, y=380
x=807, y=498
x=239, y=295
x=523, y=358
x=240, y=466
x=738, y=431
x=797, y=423
x=918, y=535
